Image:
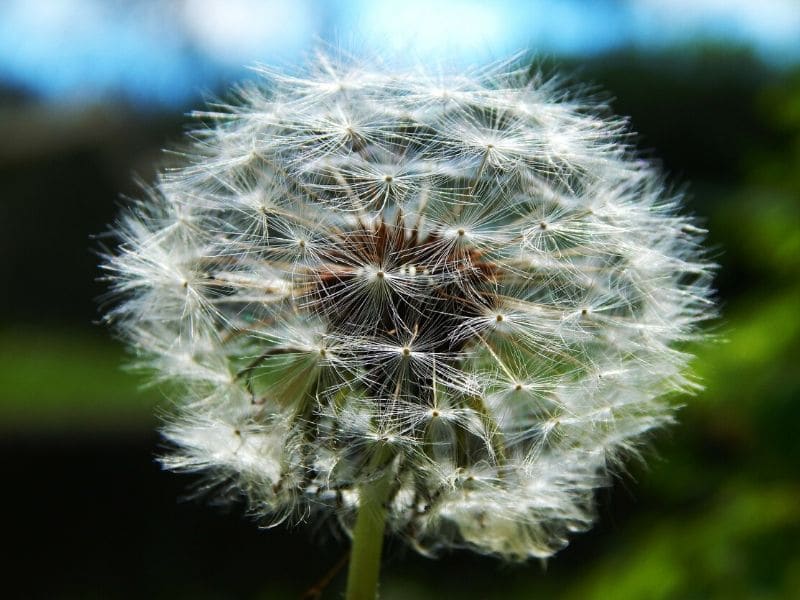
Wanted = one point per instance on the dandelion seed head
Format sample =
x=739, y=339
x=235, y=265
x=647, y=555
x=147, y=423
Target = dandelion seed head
x=471, y=283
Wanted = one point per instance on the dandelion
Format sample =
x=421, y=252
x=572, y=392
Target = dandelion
x=438, y=307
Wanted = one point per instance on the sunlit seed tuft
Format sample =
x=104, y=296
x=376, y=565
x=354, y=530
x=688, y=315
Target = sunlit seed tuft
x=470, y=282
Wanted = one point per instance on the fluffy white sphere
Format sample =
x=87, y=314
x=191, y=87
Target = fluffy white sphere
x=469, y=282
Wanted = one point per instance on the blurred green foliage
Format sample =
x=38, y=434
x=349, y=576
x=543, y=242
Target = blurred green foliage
x=68, y=380
x=717, y=512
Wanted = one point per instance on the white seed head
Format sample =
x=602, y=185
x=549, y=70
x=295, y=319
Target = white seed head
x=470, y=281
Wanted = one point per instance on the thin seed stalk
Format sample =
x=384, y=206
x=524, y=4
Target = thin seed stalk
x=365, y=555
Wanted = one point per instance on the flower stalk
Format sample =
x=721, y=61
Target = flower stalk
x=365, y=556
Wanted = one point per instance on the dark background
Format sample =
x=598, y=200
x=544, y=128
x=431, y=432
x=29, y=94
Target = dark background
x=87, y=513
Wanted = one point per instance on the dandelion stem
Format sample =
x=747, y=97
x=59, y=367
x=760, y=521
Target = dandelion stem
x=365, y=556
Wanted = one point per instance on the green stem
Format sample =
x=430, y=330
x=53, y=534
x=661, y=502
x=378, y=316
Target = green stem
x=365, y=556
